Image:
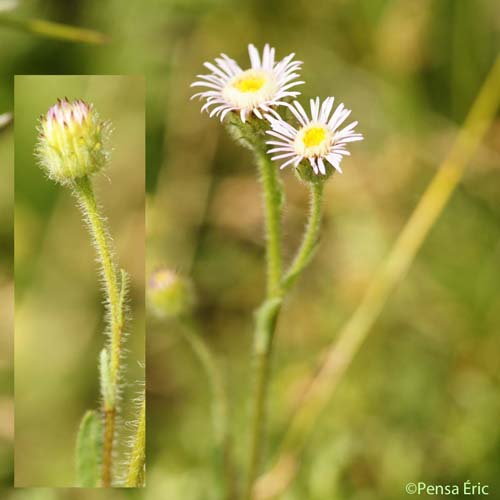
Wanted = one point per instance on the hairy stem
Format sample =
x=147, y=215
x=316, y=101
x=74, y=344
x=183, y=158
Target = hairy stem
x=272, y=208
x=107, y=450
x=114, y=292
x=135, y=475
x=310, y=238
x=267, y=314
x=266, y=318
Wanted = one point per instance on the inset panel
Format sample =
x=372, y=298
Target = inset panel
x=79, y=274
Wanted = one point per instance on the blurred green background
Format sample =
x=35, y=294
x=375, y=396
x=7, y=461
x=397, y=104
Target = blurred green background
x=422, y=400
x=59, y=313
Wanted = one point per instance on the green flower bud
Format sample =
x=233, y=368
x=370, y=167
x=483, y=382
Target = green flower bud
x=72, y=141
x=169, y=294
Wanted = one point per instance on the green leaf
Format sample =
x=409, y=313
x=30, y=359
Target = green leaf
x=89, y=450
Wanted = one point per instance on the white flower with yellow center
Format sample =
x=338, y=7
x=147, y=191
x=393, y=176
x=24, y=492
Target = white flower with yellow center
x=256, y=90
x=318, y=138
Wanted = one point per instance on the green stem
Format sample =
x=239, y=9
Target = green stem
x=272, y=207
x=219, y=399
x=114, y=297
x=135, y=475
x=266, y=318
x=207, y=360
x=310, y=238
x=267, y=314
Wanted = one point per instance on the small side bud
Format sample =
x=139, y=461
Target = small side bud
x=72, y=141
x=169, y=294
x=107, y=392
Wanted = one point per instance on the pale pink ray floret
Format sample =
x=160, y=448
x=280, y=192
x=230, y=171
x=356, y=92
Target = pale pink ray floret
x=318, y=138
x=257, y=90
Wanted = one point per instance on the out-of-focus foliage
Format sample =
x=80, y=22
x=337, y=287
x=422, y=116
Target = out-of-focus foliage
x=421, y=401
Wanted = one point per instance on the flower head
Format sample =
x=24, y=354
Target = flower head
x=318, y=138
x=255, y=90
x=169, y=294
x=71, y=141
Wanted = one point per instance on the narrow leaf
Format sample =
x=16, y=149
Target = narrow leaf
x=89, y=450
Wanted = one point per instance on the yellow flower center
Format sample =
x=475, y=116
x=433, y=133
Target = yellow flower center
x=313, y=140
x=250, y=89
x=314, y=137
x=249, y=83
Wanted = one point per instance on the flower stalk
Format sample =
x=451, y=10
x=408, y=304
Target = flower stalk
x=277, y=287
x=310, y=238
x=267, y=314
x=114, y=289
x=71, y=148
x=172, y=296
x=272, y=193
x=219, y=409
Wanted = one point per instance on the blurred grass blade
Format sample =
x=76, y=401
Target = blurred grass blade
x=89, y=450
x=340, y=354
x=56, y=31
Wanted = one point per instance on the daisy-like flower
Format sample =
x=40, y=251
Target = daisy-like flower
x=318, y=138
x=255, y=90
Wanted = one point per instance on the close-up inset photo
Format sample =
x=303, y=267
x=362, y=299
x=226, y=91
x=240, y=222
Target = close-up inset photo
x=79, y=271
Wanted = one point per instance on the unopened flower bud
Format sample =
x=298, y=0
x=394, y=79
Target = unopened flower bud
x=72, y=141
x=169, y=294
